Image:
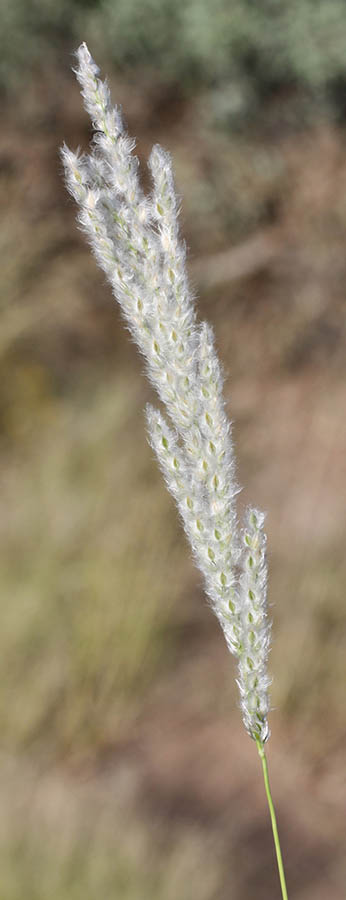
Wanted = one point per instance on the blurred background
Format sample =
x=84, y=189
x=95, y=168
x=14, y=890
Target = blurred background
x=125, y=769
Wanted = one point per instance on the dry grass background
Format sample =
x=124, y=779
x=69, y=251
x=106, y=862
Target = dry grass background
x=125, y=771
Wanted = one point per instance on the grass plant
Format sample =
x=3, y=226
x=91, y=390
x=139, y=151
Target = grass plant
x=136, y=241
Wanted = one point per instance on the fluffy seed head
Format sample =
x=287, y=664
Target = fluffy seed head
x=136, y=242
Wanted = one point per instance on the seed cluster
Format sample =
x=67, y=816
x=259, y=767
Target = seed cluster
x=136, y=241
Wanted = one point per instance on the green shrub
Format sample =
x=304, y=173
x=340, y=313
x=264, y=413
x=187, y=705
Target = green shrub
x=241, y=47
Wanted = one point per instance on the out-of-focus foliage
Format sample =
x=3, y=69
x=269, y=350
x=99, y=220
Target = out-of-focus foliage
x=107, y=859
x=240, y=48
x=79, y=644
x=121, y=743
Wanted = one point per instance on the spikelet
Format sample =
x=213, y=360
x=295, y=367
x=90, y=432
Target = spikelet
x=136, y=242
x=253, y=679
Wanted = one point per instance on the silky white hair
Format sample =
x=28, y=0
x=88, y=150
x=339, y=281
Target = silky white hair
x=135, y=239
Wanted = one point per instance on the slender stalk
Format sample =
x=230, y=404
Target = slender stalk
x=263, y=758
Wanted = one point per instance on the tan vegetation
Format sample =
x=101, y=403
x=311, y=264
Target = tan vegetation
x=125, y=772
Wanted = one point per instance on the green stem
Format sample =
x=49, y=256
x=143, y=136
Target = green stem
x=262, y=755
